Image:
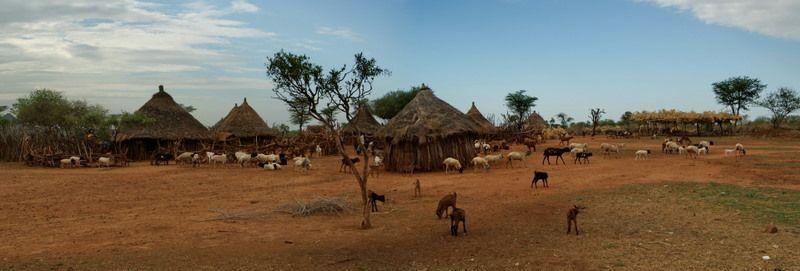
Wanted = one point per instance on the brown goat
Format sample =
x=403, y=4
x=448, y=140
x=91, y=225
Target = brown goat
x=572, y=218
x=447, y=201
x=458, y=216
x=417, y=189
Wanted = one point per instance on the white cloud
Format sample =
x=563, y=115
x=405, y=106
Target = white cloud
x=777, y=18
x=339, y=32
x=243, y=6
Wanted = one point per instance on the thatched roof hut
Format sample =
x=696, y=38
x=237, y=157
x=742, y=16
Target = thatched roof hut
x=170, y=122
x=535, y=123
x=427, y=131
x=364, y=122
x=478, y=118
x=243, y=122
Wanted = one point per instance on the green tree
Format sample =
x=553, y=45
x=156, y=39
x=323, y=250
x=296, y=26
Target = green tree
x=43, y=107
x=297, y=80
x=594, y=115
x=738, y=93
x=298, y=114
x=188, y=108
x=520, y=105
x=564, y=119
x=781, y=103
x=388, y=105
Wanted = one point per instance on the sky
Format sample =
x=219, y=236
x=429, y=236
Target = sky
x=620, y=55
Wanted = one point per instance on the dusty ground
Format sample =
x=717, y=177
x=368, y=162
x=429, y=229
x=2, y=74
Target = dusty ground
x=661, y=214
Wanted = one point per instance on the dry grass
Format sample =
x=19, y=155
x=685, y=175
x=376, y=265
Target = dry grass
x=321, y=205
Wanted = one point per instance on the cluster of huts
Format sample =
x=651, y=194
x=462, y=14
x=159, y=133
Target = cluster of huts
x=425, y=132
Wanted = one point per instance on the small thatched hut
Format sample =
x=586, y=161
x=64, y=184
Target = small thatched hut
x=171, y=127
x=478, y=118
x=363, y=123
x=535, y=123
x=243, y=124
x=427, y=131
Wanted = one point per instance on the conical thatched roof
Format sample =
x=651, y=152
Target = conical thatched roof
x=364, y=121
x=223, y=119
x=535, y=122
x=243, y=121
x=170, y=121
x=479, y=119
x=427, y=117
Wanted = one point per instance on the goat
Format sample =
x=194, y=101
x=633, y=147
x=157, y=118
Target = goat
x=270, y=166
x=417, y=189
x=303, y=163
x=373, y=197
x=375, y=167
x=642, y=154
x=185, y=157
x=740, y=149
x=582, y=156
x=579, y=145
x=516, y=156
x=243, y=157
x=530, y=143
x=692, y=151
x=458, y=216
x=480, y=161
x=558, y=152
x=208, y=156
x=162, y=157
x=493, y=158
x=539, y=175
x=448, y=200
x=105, y=161
x=572, y=218
x=218, y=159
x=196, y=160
x=319, y=151
x=67, y=162
x=451, y=162
x=346, y=162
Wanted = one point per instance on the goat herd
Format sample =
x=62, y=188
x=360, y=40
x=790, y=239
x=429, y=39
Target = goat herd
x=491, y=154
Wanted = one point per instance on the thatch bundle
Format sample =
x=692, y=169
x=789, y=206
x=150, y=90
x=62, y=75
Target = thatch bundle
x=171, y=125
x=364, y=122
x=478, y=118
x=427, y=131
x=242, y=122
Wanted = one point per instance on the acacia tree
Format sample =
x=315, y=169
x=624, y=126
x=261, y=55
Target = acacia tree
x=298, y=114
x=782, y=103
x=298, y=81
x=595, y=114
x=520, y=105
x=564, y=119
x=738, y=93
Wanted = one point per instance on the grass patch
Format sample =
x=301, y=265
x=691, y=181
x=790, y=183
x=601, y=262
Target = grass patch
x=767, y=204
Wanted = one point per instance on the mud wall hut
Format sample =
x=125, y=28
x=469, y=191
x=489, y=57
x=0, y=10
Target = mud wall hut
x=427, y=131
x=171, y=128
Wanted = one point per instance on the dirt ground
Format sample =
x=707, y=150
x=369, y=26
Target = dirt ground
x=659, y=214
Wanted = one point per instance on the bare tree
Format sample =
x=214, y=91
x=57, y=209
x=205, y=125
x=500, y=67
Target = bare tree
x=595, y=114
x=298, y=81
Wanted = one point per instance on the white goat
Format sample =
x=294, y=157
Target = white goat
x=451, y=162
x=740, y=149
x=642, y=154
x=218, y=159
x=494, y=158
x=67, y=162
x=267, y=158
x=692, y=151
x=480, y=161
x=303, y=163
x=516, y=156
x=319, y=151
x=584, y=146
x=105, y=161
x=208, y=156
x=272, y=166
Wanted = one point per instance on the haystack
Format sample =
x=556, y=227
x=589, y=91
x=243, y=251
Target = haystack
x=427, y=131
x=244, y=124
x=170, y=124
x=363, y=123
x=478, y=118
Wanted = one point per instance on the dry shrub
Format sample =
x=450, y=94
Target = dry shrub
x=553, y=132
x=321, y=205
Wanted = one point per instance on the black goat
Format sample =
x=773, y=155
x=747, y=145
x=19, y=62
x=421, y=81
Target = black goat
x=557, y=152
x=345, y=166
x=162, y=157
x=582, y=156
x=539, y=175
x=458, y=216
x=373, y=197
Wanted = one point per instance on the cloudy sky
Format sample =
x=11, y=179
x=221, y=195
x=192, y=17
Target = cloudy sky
x=615, y=54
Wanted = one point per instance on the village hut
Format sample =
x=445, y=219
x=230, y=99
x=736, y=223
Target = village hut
x=244, y=125
x=476, y=116
x=427, y=131
x=363, y=123
x=169, y=128
x=535, y=123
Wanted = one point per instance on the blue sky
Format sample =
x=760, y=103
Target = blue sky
x=621, y=55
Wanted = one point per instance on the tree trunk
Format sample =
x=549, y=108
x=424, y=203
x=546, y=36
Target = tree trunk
x=361, y=177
